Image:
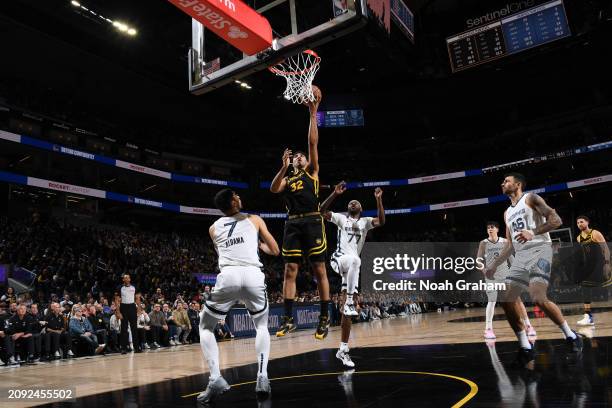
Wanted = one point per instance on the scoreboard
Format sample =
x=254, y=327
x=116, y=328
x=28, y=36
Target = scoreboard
x=340, y=118
x=515, y=33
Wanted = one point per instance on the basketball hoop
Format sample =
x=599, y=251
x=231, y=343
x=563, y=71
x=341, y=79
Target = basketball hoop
x=299, y=71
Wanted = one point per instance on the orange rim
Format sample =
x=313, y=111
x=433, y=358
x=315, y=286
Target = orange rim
x=282, y=72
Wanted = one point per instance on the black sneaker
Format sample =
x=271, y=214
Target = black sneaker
x=574, y=346
x=322, y=328
x=286, y=326
x=525, y=358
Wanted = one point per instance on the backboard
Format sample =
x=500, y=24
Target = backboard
x=296, y=25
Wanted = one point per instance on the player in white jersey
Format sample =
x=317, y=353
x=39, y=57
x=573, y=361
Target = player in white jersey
x=238, y=238
x=352, y=231
x=528, y=222
x=489, y=249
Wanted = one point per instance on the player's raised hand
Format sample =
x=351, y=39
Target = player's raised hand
x=340, y=187
x=286, y=158
x=314, y=105
x=378, y=192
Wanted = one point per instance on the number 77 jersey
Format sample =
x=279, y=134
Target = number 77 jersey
x=351, y=233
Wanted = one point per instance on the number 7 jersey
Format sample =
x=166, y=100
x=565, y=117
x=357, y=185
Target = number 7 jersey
x=351, y=233
x=237, y=241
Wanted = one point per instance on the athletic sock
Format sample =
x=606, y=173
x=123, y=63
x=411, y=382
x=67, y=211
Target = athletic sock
x=289, y=307
x=262, y=344
x=349, y=299
x=489, y=315
x=526, y=321
x=567, y=332
x=325, y=308
x=344, y=347
x=523, y=340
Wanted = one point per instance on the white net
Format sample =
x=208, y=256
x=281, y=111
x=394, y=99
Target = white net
x=299, y=71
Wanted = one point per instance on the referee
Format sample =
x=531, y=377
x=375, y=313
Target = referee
x=128, y=299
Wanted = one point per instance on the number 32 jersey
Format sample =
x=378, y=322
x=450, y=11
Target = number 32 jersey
x=523, y=217
x=351, y=233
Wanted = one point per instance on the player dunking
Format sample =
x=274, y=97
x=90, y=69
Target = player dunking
x=304, y=230
x=597, y=264
x=528, y=223
x=352, y=232
x=237, y=240
x=490, y=248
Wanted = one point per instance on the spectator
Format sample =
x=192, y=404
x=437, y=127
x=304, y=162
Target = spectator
x=172, y=328
x=97, y=323
x=13, y=309
x=158, y=297
x=66, y=301
x=7, y=345
x=222, y=331
x=158, y=325
x=56, y=334
x=21, y=327
x=115, y=330
x=142, y=320
x=81, y=329
x=183, y=324
x=9, y=296
x=38, y=326
x=194, y=318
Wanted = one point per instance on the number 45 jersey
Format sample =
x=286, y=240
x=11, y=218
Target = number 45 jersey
x=522, y=217
x=237, y=241
x=351, y=233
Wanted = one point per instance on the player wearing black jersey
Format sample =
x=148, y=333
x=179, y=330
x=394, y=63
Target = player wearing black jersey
x=304, y=230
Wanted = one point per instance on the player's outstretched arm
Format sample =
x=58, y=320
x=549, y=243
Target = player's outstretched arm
x=268, y=243
x=313, y=133
x=280, y=182
x=553, y=221
x=379, y=221
x=338, y=189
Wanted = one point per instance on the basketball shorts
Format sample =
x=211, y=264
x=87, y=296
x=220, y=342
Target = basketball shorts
x=304, y=237
x=531, y=265
x=500, y=276
x=345, y=264
x=238, y=284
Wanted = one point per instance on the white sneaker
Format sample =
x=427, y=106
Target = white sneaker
x=586, y=321
x=213, y=390
x=70, y=353
x=349, y=309
x=489, y=335
x=57, y=354
x=146, y=346
x=172, y=343
x=345, y=358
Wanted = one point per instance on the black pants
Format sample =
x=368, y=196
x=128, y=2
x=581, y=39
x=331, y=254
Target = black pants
x=37, y=340
x=26, y=345
x=101, y=335
x=129, y=316
x=8, y=345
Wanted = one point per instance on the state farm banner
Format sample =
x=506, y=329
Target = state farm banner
x=67, y=188
x=232, y=20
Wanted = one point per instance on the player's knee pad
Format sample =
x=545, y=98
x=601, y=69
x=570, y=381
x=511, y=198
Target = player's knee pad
x=207, y=321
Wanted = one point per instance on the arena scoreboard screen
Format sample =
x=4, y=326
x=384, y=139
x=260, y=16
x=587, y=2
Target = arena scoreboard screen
x=340, y=118
x=510, y=35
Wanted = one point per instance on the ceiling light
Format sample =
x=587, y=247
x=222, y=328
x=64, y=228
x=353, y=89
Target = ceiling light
x=131, y=31
x=237, y=81
x=75, y=3
x=244, y=84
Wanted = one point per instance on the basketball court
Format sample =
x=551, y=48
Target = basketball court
x=433, y=359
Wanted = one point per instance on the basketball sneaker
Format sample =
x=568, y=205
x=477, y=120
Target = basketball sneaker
x=345, y=358
x=525, y=358
x=322, y=328
x=349, y=309
x=489, y=335
x=262, y=389
x=574, y=345
x=214, y=388
x=286, y=326
x=587, y=320
x=531, y=331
